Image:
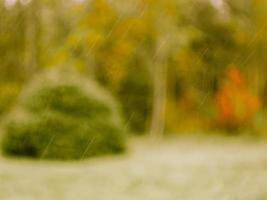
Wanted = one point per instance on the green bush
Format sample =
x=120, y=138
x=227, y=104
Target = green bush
x=63, y=116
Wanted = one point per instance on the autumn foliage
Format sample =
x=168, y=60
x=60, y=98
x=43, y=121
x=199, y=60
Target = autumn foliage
x=236, y=105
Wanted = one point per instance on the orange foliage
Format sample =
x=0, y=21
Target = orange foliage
x=235, y=103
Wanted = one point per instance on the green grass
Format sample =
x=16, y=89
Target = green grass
x=176, y=169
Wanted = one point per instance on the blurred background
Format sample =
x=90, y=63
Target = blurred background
x=81, y=78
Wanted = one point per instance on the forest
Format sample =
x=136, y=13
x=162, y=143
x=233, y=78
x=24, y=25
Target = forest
x=82, y=80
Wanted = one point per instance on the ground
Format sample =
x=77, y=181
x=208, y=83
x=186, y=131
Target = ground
x=184, y=168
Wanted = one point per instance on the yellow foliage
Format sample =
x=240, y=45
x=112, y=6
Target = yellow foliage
x=95, y=39
x=101, y=14
x=8, y=93
x=122, y=50
x=57, y=57
x=115, y=73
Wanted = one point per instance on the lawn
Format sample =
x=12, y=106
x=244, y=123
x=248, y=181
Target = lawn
x=184, y=168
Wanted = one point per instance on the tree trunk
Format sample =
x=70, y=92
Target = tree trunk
x=160, y=91
x=33, y=37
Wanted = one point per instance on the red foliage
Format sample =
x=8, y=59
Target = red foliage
x=235, y=103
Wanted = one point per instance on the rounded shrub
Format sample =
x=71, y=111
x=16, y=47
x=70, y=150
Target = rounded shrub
x=62, y=115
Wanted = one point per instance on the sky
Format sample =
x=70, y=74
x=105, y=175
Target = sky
x=216, y=3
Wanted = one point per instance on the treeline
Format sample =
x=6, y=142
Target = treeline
x=174, y=65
